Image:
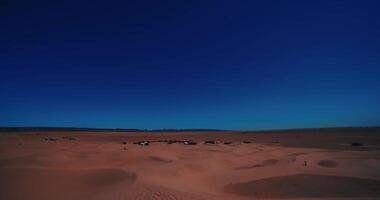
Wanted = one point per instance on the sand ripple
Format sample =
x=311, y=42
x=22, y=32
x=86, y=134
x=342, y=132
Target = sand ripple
x=306, y=186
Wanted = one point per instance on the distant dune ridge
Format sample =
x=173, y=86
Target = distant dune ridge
x=86, y=164
x=32, y=129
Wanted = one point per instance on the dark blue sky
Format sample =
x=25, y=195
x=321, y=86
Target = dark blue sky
x=188, y=64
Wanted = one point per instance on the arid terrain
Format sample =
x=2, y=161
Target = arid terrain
x=294, y=164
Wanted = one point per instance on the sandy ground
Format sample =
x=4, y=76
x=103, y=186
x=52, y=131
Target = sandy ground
x=308, y=164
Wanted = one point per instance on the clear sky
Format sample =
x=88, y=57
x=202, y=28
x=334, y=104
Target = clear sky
x=190, y=64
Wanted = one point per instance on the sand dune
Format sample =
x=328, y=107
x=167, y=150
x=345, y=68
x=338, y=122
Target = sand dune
x=45, y=183
x=307, y=185
x=265, y=163
x=108, y=166
x=160, y=159
x=327, y=163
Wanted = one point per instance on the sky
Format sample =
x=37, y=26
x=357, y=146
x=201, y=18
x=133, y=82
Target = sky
x=238, y=65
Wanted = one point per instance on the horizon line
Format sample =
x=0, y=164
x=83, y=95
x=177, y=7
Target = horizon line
x=69, y=128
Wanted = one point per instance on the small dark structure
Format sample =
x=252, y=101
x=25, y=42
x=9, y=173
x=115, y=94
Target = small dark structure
x=189, y=143
x=227, y=143
x=124, y=143
x=142, y=143
x=210, y=142
x=185, y=142
x=171, y=141
x=51, y=139
x=246, y=142
x=357, y=144
x=68, y=138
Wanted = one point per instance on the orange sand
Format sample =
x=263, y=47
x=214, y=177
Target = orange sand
x=97, y=166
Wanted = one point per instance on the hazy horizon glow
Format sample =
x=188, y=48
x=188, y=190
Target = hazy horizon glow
x=207, y=64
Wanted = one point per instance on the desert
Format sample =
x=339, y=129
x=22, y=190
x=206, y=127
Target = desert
x=342, y=163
